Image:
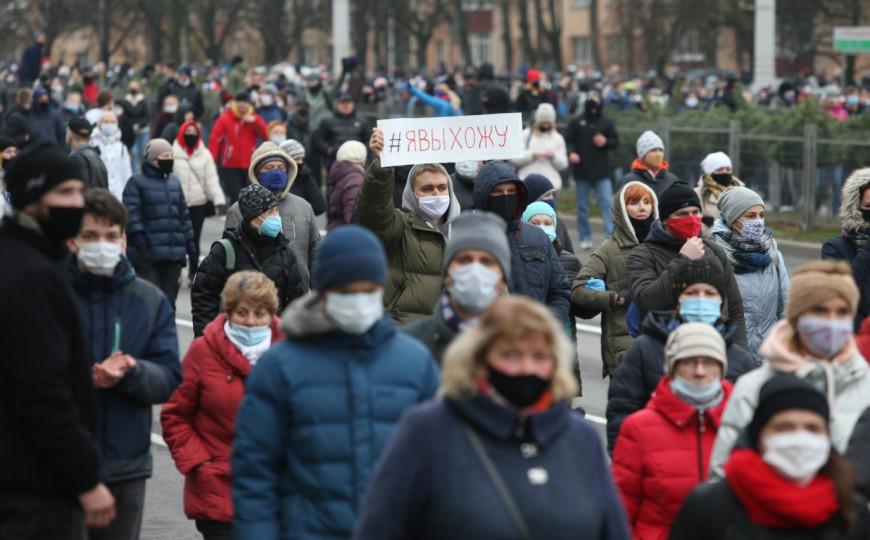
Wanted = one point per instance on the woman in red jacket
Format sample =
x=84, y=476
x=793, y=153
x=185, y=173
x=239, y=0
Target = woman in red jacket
x=199, y=419
x=235, y=135
x=663, y=450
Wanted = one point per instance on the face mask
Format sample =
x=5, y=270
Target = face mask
x=592, y=108
x=170, y=109
x=133, y=91
x=166, y=165
x=191, y=140
x=852, y=100
x=545, y=129
x=797, y=455
x=249, y=335
x=520, y=390
x=271, y=226
x=355, y=313
x=550, y=230
x=473, y=286
x=752, y=229
x=184, y=82
x=434, y=206
x=109, y=130
x=63, y=222
x=825, y=337
x=504, y=206
x=274, y=180
x=278, y=139
x=72, y=108
x=99, y=258
x=700, y=310
x=684, y=227
x=865, y=213
x=467, y=169
x=723, y=179
x=692, y=102
x=696, y=395
x=266, y=100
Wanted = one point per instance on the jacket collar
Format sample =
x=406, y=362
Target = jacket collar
x=27, y=229
x=225, y=351
x=86, y=281
x=680, y=413
x=503, y=423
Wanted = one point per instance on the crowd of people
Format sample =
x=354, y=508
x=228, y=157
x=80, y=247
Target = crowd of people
x=412, y=372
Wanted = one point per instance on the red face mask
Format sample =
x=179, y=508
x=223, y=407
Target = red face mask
x=684, y=227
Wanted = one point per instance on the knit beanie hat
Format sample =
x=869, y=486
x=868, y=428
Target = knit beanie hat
x=715, y=161
x=537, y=185
x=537, y=209
x=349, y=253
x=782, y=393
x=735, y=201
x=693, y=339
x=648, y=141
x=254, y=199
x=545, y=114
x=6, y=142
x=155, y=147
x=679, y=195
x=483, y=231
x=705, y=270
x=817, y=282
x=37, y=170
x=352, y=151
x=293, y=148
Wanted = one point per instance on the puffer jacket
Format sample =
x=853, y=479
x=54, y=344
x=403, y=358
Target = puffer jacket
x=415, y=247
x=308, y=187
x=336, y=130
x=859, y=453
x=651, y=269
x=297, y=216
x=536, y=271
x=158, y=214
x=273, y=257
x=642, y=366
x=318, y=411
x=199, y=421
x=663, y=451
x=232, y=141
x=847, y=386
x=196, y=171
x=343, y=185
x=658, y=182
x=116, y=159
x=129, y=314
x=710, y=200
x=850, y=218
x=608, y=263
x=764, y=292
x=550, y=167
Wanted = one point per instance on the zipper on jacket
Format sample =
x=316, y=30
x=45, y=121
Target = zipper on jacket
x=520, y=427
x=701, y=428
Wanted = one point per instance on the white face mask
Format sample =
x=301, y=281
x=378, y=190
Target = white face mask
x=355, y=313
x=797, y=455
x=266, y=100
x=473, y=286
x=467, y=169
x=109, y=130
x=99, y=258
x=434, y=206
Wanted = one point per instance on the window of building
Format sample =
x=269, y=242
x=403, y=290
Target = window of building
x=480, y=48
x=440, y=52
x=580, y=4
x=688, y=47
x=581, y=48
x=476, y=5
x=616, y=51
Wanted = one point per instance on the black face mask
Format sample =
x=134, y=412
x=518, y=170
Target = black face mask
x=189, y=141
x=87, y=79
x=520, y=390
x=865, y=213
x=165, y=165
x=504, y=206
x=63, y=222
x=592, y=109
x=641, y=227
x=723, y=179
x=545, y=129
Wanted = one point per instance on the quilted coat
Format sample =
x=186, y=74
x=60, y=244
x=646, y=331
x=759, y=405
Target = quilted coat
x=196, y=171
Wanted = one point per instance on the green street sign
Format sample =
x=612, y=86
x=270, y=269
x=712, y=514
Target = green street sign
x=852, y=39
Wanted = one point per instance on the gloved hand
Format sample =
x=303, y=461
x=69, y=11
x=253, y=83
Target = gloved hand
x=595, y=284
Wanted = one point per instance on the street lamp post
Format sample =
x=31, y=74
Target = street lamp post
x=340, y=33
x=764, y=70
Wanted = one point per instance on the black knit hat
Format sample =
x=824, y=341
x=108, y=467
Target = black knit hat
x=6, y=142
x=679, y=195
x=37, y=171
x=782, y=393
x=705, y=270
x=80, y=126
x=254, y=200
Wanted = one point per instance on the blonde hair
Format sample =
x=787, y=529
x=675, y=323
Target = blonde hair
x=253, y=287
x=509, y=317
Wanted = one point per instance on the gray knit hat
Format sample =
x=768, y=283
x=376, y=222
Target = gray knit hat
x=254, y=199
x=648, y=141
x=293, y=148
x=155, y=147
x=483, y=231
x=694, y=339
x=736, y=200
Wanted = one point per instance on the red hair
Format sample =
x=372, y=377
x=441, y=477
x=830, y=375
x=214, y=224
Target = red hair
x=636, y=193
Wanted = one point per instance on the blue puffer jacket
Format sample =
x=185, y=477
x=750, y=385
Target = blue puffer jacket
x=318, y=410
x=128, y=314
x=536, y=271
x=158, y=215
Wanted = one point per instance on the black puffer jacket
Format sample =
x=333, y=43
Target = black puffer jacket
x=642, y=366
x=337, y=130
x=273, y=257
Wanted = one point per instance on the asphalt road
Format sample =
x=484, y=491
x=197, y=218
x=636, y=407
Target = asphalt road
x=164, y=516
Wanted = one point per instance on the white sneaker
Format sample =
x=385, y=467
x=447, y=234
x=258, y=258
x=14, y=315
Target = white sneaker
x=585, y=245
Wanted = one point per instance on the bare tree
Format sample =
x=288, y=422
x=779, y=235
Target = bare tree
x=529, y=53
x=507, y=40
x=594, y=36
x=461, y=19
x=214, y=21
x=271, y=23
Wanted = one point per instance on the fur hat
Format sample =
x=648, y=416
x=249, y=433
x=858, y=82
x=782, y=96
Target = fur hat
x=850, y=208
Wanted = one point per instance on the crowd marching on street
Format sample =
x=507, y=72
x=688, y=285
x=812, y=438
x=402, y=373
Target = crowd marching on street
x=391, y=352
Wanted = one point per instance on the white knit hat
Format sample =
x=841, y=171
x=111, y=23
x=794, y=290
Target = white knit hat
x=545, y=113
x=695, y=339
x=648, y=141
x=353, y=151
x=715, y=161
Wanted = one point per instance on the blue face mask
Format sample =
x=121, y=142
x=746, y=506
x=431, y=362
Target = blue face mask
x=249, y=335
x=274, y=180
x=700, y=310
x=271, y=226
x=550, y=230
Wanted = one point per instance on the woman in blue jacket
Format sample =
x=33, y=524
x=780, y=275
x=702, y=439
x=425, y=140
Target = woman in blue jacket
x=501, y=455
x=320, y=406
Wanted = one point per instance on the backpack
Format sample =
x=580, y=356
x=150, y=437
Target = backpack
x=230, y=251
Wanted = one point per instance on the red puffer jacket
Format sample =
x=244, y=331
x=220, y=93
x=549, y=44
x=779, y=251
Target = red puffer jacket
x=863, y=339
x=662, y=452
x=232, y=141
x=199, y=420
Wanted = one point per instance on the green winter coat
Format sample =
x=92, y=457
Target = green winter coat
x=414, y=247
x=608, y=263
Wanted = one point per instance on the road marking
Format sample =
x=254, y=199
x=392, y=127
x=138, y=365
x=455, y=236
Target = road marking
x=157, y=439
x=588, y=329
x=182, y=322
x=591, y=418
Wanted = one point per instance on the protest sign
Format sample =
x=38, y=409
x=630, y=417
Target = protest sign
x=409, y=141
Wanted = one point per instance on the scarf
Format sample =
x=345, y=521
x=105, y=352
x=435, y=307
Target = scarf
x=772, y=501
x=745, y=255
x=711, y=189
x=857, y=238
x=451, y=319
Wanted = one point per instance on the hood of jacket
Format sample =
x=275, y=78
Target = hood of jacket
x=680, y=413
x=493, y=174
x=88, y=282
x=624, y=234
x=180, y=137
x=267, y=150
x=305, y=319
x=659, y=324
x=226, y=351
x=409, y=201
x=850, y=207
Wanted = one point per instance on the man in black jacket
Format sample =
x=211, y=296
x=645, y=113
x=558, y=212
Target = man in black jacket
x=590, y=137
x=91, y=167
x=341, y=127
x=51, y=463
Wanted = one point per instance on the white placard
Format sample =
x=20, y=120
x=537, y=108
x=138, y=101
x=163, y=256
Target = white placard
x=409, y=141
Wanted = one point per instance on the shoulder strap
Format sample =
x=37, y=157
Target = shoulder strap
x=497, y=482
x=230, y=252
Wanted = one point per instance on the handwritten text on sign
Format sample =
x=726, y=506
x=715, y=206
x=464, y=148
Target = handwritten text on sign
x=409, y=141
